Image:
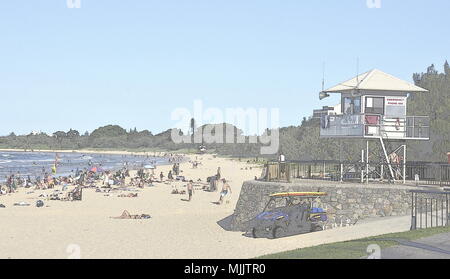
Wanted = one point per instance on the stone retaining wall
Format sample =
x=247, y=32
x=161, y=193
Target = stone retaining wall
x=345, y=203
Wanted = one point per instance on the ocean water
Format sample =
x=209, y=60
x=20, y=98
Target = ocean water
x=37, y=163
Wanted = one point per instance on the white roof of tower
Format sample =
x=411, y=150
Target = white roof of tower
x=375, y=80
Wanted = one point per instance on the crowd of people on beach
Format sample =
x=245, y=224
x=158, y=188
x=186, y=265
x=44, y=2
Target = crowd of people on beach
x=93, y=176
x=87, y=176
x=83, y=177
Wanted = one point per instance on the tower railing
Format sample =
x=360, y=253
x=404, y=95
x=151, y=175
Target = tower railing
x=375, y=126
x=344, y=125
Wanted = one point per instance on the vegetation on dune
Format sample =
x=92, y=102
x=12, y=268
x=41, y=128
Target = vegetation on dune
x=296, y=142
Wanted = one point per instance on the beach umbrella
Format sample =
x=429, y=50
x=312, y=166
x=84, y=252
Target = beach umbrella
x=94, y=169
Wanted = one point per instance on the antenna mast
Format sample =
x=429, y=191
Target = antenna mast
x=357, y=72
x=323, y=76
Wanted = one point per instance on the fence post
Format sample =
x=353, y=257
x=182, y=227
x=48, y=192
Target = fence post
x=404, y=164
x=324, y=170
x=413, y=217
x=446, y=205
x=279, y=171
x=288, y=172
x=431, y=212
x=367, y=163
x=415, y=211
x=421, y=211
x=437, y=212
x=362, y=165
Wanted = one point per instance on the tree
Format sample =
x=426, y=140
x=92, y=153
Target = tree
x=60, y=134
x=431, y=70
x=436, y=104
x=73, y=134
x=145, y=133
x=108, y=131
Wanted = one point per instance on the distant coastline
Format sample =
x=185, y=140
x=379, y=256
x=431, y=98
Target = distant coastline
x=89, y=151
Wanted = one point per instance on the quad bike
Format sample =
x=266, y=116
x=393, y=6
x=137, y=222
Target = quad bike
x=289, y=214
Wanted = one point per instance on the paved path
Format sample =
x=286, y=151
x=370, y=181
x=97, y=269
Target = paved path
x=432, y=247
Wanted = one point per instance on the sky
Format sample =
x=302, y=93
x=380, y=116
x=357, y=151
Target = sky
x=132, y=63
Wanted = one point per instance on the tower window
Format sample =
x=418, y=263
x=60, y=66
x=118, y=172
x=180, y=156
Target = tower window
x=351, y=105
x=374, y=105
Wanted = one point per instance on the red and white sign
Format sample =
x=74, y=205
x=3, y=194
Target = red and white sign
x=396, y=101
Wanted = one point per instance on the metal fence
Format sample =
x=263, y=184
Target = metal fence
x=429, y=209
x=429, y=174
x=414, y=172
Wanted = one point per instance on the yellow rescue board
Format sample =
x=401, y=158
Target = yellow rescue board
x=299, y=194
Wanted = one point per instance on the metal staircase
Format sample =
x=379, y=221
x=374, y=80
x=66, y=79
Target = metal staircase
x=386, y=157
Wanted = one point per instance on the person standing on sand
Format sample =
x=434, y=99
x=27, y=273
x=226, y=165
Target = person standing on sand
x=225, y=189
x=190, y=189
x=218, y=173
x=161, y=176
x=217, y=179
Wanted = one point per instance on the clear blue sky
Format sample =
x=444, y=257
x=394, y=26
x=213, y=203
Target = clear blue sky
x=132, y=62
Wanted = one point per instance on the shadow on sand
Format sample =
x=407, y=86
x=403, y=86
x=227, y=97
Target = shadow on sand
x=225, y=223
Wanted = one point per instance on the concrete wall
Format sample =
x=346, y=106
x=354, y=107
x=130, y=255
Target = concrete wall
x=344, y=202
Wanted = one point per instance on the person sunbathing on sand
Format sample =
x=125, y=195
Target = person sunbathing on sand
x=127, y=215
x=129, y=195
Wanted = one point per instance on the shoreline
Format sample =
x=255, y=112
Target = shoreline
x=88, y=151
x=164, y=155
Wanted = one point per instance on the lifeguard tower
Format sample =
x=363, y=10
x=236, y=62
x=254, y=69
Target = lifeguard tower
x=373, y=107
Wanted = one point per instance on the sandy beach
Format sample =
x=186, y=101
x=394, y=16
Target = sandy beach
x=177, y=229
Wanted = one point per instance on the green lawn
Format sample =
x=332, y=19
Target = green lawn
x=353, y=249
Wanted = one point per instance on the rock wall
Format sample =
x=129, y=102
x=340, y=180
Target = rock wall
x=345, y=203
